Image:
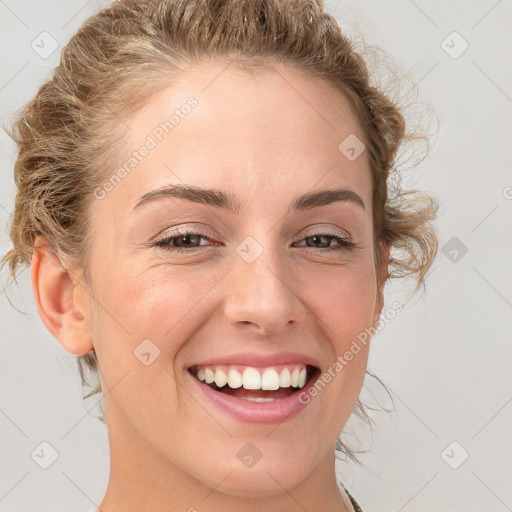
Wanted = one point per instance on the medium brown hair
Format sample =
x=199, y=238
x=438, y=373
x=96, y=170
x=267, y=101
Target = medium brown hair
x=69, y=135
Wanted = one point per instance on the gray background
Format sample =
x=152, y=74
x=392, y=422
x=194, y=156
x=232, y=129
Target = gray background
x=446, y=359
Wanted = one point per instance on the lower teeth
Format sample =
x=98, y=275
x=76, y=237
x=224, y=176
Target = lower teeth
x=259, y=399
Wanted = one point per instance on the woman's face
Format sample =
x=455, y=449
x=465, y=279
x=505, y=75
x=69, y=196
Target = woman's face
x=258, y=288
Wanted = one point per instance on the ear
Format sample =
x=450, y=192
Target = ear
x=60, y=299
x=382, y=272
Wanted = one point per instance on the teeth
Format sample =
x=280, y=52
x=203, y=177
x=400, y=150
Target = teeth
x=220, y=378
x=295, y=378
x=209, y=376
x=302, y=378
x=258, y=399
x=270, y=379
x=285, y=379
x=252, y=378
x=234, y=379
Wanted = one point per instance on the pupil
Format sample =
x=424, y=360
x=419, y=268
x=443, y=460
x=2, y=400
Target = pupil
x=186, y=239
x=317, y=238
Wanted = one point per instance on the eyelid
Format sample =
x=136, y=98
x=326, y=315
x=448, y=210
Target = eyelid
x=344, y=242
x=208, y=233
x=187, y=229
x=324, y=228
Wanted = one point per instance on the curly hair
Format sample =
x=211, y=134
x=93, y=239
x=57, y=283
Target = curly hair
x=69, y=135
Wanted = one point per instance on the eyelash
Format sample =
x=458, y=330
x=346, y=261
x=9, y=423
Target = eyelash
x=344, y=244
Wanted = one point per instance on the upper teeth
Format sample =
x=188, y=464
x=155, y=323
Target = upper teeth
x=253, y=378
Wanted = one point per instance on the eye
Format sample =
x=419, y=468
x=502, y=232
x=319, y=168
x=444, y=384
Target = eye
x=184, y=241
x=180, y=241
x=342, y=243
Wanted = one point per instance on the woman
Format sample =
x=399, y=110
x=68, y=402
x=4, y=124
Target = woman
x=203, y=200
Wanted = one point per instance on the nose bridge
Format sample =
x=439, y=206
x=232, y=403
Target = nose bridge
x=262, y=291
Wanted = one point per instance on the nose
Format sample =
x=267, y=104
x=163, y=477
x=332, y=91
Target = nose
x=263, y=295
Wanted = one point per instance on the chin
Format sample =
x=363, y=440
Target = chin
x=266, y=478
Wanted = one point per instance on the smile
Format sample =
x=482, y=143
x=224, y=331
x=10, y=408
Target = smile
x=266, y=379
x=260, y=394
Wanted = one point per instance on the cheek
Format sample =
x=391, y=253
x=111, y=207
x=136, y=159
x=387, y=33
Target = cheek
x=345, y=306
x=344, y=300
x=334, y=395
x=145, y=318
x=160, y=304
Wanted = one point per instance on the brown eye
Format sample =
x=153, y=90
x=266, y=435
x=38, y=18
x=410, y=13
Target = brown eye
x=181, y=241
x=325, y=240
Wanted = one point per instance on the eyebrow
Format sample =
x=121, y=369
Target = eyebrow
x=219, y=199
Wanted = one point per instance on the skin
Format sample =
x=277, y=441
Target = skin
x=267, y=138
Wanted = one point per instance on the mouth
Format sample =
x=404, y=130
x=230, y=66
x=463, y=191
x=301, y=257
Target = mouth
x=255, y=384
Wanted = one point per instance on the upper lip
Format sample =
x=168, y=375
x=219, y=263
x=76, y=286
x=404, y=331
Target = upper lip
x=260, y=360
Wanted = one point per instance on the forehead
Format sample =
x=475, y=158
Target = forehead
x=233, y=98
x=245, y=131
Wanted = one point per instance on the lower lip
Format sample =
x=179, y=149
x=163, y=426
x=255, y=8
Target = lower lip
x=277, y=411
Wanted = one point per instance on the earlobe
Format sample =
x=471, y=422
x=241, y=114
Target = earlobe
x=56, y=294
